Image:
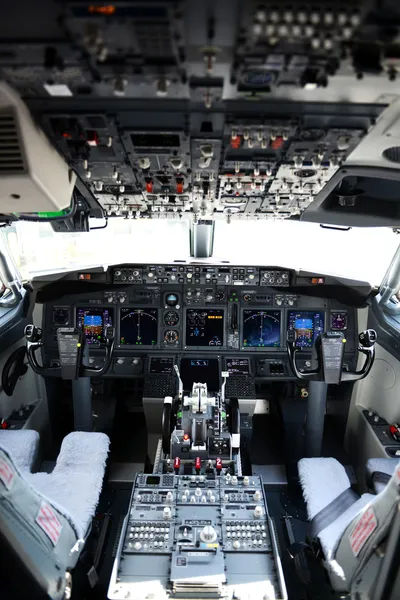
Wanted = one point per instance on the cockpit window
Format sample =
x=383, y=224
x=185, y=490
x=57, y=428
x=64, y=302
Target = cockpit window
x=360, y=253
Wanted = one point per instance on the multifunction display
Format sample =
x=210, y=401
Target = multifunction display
x=138, y=327
x=261, y=328
x=93, y=322
x=205, y=327
x=238, y=366
x=200, y=371
x=162, y=365
x=308, y=325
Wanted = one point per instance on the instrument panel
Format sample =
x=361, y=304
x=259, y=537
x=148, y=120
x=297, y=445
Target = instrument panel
x=190, y=320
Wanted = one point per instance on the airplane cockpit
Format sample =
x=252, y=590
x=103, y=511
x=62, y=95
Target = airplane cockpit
x=200, y=300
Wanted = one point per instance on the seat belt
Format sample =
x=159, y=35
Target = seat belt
x=379, y=477
x=332, y=511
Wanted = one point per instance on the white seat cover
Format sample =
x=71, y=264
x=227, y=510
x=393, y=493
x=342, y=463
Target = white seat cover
x=23, y=446
x=75, y=483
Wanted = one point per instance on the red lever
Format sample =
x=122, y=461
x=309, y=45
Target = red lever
x=197, y=464
x=218, y=465
x=149, y=186
x=177, y=465
x=179, y=186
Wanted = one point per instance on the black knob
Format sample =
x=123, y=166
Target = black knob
x=367, y=338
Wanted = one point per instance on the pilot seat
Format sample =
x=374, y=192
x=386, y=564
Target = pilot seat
x=45, y=518
x=351, y=529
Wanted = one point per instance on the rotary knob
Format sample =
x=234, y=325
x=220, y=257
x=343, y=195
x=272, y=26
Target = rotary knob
x=138, y=546
x=234, y=480
x=208, y=534
x=257, y=495
x=246, y=480
x=169, y=497
x=257, y=512
x=167, y=513
x=198, y=492
x=236, y=544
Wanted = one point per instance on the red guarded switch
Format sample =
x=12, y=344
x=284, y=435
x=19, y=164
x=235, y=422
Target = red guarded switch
x=197, y=464
x=179, y=186
x=177, y=465
x=92, y=138
x=149, y=186
x=218, y=465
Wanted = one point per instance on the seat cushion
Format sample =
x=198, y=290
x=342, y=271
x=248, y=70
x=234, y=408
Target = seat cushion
x=380, y=465
x=75, y=483
x=323, y=480
x=22, y=445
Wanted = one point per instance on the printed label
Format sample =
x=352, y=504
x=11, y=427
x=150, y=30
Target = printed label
x=7, y=473
x=49, y=522
x=181, y=561
x=363, y=529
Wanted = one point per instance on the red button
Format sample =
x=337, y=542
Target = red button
x=277, y=143
x=236, y=142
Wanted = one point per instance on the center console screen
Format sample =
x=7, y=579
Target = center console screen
x=308, y=325
x=93, y=322
x=162, y=365
x=205, y=327
x=261, y=328
x=238, y=366
x=138, y=327
x=200, y=371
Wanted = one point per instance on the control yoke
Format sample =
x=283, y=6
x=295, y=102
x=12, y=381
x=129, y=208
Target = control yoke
x=71, y=346
x=329, y=349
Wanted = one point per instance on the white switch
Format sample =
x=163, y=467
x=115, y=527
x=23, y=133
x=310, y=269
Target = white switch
x=236, y=544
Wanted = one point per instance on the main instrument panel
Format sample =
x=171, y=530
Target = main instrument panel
x=197, y=534
x=199, y=311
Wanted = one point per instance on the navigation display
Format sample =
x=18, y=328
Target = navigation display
x=238, y=366
x=200, y=371
x=261, y=328
x=138, y=326
x=308, y=325
x=93, y=322
x=205, y=327
x=162, y=365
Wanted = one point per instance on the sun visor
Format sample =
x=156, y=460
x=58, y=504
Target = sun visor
x=33, y=176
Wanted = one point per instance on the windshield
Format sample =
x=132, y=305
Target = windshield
x=360, y=253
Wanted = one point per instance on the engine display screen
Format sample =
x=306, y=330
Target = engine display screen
x=200, y=371
x=205, y=327
x=138, y=326
x=308, y=325
x=261, y=328
x=238, y=366
x=162, y=365
x=93, y=322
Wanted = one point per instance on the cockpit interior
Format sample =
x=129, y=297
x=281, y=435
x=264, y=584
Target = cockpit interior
x=200, y=300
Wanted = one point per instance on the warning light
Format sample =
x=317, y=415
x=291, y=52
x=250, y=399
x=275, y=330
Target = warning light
x=185, y=437
x=317, y=280
x=107, y=10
